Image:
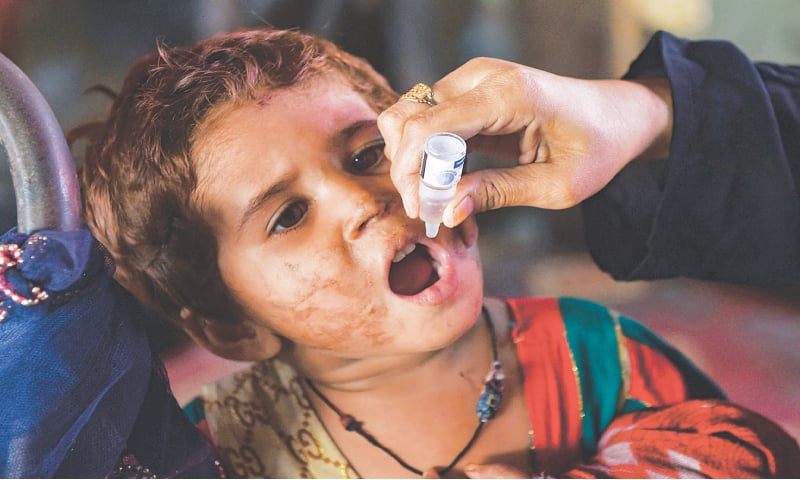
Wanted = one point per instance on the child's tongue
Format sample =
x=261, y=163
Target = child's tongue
x=412, y=274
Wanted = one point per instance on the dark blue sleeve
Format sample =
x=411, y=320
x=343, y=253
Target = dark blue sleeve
x=724, y=206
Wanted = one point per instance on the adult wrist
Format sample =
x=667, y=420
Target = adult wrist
x=659, y=110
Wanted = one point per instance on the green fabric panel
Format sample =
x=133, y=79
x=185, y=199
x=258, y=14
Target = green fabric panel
x=195, y=411
x=699, y=385
x=632, y=405
x=593, y=341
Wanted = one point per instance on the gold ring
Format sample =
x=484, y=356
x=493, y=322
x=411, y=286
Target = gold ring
x=419, y=93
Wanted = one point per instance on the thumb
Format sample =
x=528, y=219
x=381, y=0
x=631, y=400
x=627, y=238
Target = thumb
x=543, y=185
x=493, y=470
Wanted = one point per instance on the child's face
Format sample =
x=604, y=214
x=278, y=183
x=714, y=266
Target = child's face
x=308, y=222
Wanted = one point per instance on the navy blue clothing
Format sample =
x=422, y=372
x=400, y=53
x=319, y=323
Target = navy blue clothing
x=725, y=205
x=83, y=395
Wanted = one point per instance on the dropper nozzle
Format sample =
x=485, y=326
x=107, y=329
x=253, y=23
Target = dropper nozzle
x=431, y=229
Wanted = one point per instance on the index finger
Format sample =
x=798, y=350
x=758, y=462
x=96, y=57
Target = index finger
x=405, y=131
x=391, y=123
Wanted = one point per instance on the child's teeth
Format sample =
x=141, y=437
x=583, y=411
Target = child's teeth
x=436, y=266
x=404, y=253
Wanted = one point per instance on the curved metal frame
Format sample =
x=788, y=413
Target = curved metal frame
x=42, y=167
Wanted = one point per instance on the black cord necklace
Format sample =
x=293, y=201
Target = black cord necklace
x=488, y=404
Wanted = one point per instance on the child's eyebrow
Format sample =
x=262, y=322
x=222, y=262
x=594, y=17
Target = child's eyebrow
x=344, y=134
x=255, y=203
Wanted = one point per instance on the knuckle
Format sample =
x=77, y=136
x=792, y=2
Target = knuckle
x=516, y=75
x=416, y=127
x=390, y=118
x=493, y=195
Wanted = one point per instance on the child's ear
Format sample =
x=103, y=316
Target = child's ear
x=232, y=340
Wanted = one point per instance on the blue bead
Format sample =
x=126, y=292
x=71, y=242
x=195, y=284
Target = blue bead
x=489, y=401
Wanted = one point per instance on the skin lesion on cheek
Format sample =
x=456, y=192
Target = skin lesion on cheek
x=330, y=299
x=334, y=315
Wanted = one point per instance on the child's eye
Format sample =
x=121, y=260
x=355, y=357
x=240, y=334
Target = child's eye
x=290, y=216
x=368, y=158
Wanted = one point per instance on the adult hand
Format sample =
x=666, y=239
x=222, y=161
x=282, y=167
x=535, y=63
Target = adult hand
x=569, y=136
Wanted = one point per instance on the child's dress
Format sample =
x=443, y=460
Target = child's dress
x=585, y=366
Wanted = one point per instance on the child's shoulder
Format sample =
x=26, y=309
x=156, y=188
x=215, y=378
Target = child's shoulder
x=545, y=316
x=272, y=375
x=591, y=331
x=263, y=418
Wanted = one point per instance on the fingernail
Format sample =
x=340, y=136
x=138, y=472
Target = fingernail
x=461, y=211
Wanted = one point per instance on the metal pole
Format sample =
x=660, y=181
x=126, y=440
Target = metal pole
x=42, y=167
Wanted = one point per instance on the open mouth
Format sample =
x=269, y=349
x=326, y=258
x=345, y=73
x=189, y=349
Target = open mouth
x=412, y=270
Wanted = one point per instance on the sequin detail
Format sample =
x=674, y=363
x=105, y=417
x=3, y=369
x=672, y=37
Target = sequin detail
x=130, y=467
x=11, y=257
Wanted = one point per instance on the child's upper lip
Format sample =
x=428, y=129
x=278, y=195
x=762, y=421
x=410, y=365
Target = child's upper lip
x=407, y=239
x=401, y=243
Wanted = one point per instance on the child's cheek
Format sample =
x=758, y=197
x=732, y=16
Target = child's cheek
x=330, y=303
x=333, y=319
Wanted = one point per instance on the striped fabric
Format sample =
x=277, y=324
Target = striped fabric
x=609, y=398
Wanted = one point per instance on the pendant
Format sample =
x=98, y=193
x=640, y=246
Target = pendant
x=492, y=393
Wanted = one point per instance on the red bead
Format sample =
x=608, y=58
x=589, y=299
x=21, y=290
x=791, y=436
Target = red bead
x=349, y=423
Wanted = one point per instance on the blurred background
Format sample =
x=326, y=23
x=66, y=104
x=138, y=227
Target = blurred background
x=747, y=339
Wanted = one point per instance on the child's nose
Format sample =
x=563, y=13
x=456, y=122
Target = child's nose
x=364, y=215
x=361, y=201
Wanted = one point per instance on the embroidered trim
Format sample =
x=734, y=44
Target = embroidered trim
x=130, y=467
x=10, y=257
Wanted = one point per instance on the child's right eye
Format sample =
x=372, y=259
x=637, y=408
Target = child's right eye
x=290, y=216
x=369, y=158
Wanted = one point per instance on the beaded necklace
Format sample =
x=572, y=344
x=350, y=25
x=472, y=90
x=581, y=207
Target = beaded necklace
x=486, y=408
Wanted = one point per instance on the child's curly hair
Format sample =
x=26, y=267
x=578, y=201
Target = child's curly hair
x=138, y=174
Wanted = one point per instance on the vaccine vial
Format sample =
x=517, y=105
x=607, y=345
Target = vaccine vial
x=442, y=164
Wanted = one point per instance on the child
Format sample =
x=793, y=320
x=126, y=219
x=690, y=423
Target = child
x=241, y=187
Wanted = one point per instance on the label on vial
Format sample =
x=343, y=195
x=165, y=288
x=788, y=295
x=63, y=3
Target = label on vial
x=440, y=173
